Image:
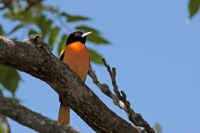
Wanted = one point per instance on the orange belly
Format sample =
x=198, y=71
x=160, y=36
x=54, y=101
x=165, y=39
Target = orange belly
x=76, y=56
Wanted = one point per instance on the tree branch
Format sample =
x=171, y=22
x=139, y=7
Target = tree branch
x=105, y=89
x=29, y=118
x=36, y=59
x=134, y=117
x=119, y=99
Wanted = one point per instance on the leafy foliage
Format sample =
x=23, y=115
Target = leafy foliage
x=194, y=6
x=70, y=18
x=9, y=78
x=1, y=30
x=95, y=36
x=52, y=24
x=157, y=128
x=1, y=128
x=53, y=35
x=17, y=27
x=95, y=57
x=62, y=43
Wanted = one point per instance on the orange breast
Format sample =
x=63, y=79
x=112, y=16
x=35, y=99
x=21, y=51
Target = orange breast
x=76, y=56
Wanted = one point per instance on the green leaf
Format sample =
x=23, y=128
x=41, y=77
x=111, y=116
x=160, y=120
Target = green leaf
x=194, y=6
x=97, y=39
x=53, y=35
x=32, y=32
x=42, y=8
x=94, y=37
x=74, y=18
x=62, y=43
x=1, y=128
x=50, y=9
x=95, y=57
x=16, y=28
x=26, y=18
x=44, y=24
x=157, y=128
x=87, y=29
x=1, y=30
x=9, y=78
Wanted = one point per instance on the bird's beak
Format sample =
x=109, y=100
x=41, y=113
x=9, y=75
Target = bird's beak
x=85, y=34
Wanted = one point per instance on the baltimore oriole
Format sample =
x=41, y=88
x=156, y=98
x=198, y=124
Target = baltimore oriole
x=76, y=56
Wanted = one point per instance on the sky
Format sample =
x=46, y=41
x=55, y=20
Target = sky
x=156, y=53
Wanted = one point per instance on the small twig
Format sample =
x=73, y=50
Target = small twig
x=135, y=118
x=119, y=99
x=105, y=89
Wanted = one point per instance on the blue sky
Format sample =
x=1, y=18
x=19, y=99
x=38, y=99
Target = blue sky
x=156, y=54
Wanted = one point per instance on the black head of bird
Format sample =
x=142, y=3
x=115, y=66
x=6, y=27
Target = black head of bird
x=77, y=36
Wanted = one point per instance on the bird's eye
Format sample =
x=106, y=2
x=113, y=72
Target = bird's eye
x=77, y=34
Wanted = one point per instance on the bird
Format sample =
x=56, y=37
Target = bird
x=76, y=55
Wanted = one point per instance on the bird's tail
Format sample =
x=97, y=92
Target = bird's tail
x=63, y=115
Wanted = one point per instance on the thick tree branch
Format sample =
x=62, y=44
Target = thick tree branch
x=37, y=60
x=29, y=118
